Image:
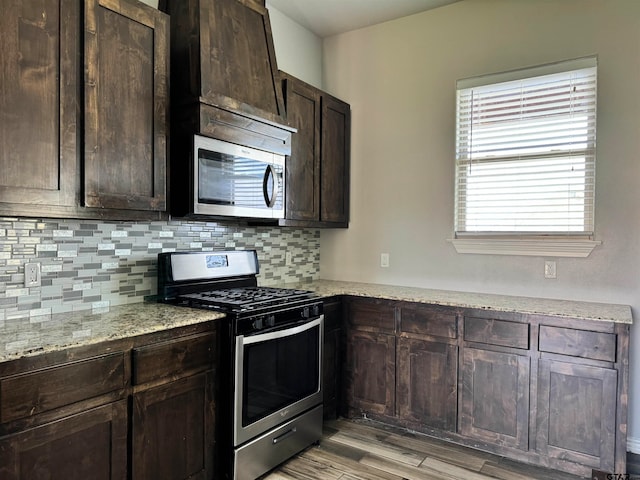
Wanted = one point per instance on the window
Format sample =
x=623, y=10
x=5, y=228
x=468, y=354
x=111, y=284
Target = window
x=525, y=152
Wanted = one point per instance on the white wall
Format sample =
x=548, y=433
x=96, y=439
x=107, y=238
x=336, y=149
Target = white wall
x=399, y=78
x=298, y=50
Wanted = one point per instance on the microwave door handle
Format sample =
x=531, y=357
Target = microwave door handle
x=270, y=172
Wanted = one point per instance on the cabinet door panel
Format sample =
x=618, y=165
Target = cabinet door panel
x=303, y=166
x=495, y=397
x=172, y=430
x=371, y=361
x=38, y=114
x=173, y=358
x=335, y=160
x=577, y=413
x=427, y=379
x=92, y=444
x=236, y=43
x=126, y=71
x=332, y=359
x=43, y=390
x=372, y=314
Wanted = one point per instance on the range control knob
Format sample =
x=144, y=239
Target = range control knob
x=258, y=323
x=270, y=321
x=305, y=312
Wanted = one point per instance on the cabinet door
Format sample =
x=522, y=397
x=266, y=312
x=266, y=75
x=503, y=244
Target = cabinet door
x=237, y=58
x=303, y=166
x=371, y=368
x=92, y=444
x=332, y=355
x=495, y=397
x=38, y=114
x=577, y=413
x=126, y=99
x=335, y=159
x=172, y=430
x=427, y=379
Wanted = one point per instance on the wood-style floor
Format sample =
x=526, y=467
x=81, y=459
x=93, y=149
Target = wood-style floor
x=363, y=450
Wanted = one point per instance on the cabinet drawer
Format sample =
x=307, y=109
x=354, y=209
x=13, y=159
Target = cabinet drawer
x=426, y=320
x=174, y=358
x=43, y=390
x=375, y=314
x=578, y=343
x=496, y=332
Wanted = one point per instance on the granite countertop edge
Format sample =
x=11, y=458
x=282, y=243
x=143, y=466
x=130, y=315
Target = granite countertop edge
x=27, y=337
x=24, y=337
x=603, y=312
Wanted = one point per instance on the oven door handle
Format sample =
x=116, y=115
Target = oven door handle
x=285, y=332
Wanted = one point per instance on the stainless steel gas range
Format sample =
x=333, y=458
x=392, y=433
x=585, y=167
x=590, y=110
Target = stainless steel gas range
x=269, y=389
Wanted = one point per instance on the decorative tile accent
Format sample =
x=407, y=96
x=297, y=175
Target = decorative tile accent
x=87, y=265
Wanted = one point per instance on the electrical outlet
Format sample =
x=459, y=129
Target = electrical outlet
x=31, y=274
x=287, y=258
x=384, y=260
x=550, y=269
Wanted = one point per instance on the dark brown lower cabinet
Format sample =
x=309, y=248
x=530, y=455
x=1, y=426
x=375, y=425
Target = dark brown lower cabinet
x=172, y=430
x=495, y=397
x=332, y=359
x=138, y=408
x=577, y=413
x=371, y=371
x=427, y=383
x=538, y=389
x=91, y=444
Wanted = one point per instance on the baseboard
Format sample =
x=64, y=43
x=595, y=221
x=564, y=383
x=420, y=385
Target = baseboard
x=633, y=445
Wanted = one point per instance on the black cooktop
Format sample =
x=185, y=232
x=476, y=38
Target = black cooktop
x=245, y=298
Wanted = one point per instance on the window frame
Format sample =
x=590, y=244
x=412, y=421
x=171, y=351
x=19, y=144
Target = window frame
x=539, y=243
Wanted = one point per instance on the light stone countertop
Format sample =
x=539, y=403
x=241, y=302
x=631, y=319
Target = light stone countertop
x=48, y=333
x=503, y=303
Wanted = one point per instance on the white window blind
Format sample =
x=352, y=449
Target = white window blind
x=525, y=153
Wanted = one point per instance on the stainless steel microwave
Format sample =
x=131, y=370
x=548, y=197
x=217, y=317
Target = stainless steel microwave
x=232, y=180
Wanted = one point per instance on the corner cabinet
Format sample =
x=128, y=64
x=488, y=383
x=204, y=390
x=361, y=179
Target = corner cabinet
x=103, y=157
x=317, y=183
x=137, y=408
x=538, y=389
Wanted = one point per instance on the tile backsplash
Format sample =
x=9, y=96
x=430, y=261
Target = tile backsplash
x=94, y=264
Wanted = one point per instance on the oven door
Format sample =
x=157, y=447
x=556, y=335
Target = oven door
x=278, y=375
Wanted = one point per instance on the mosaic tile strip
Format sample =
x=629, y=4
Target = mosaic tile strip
x=89, y=265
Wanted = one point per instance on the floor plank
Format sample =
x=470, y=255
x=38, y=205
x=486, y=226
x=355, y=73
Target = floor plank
x=365, y=450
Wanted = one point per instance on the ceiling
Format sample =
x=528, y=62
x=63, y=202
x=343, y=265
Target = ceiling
x=330, y=17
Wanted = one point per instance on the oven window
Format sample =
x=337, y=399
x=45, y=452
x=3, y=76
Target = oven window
x=279, y=372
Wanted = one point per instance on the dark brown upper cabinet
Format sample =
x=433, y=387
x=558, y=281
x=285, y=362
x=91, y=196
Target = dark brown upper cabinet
x=121, y=72
x=224, y=85
x=222, y=55
x=38, y=113
x=126, y=99
x=317, y=184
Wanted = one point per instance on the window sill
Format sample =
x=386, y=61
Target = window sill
x=539, y=247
